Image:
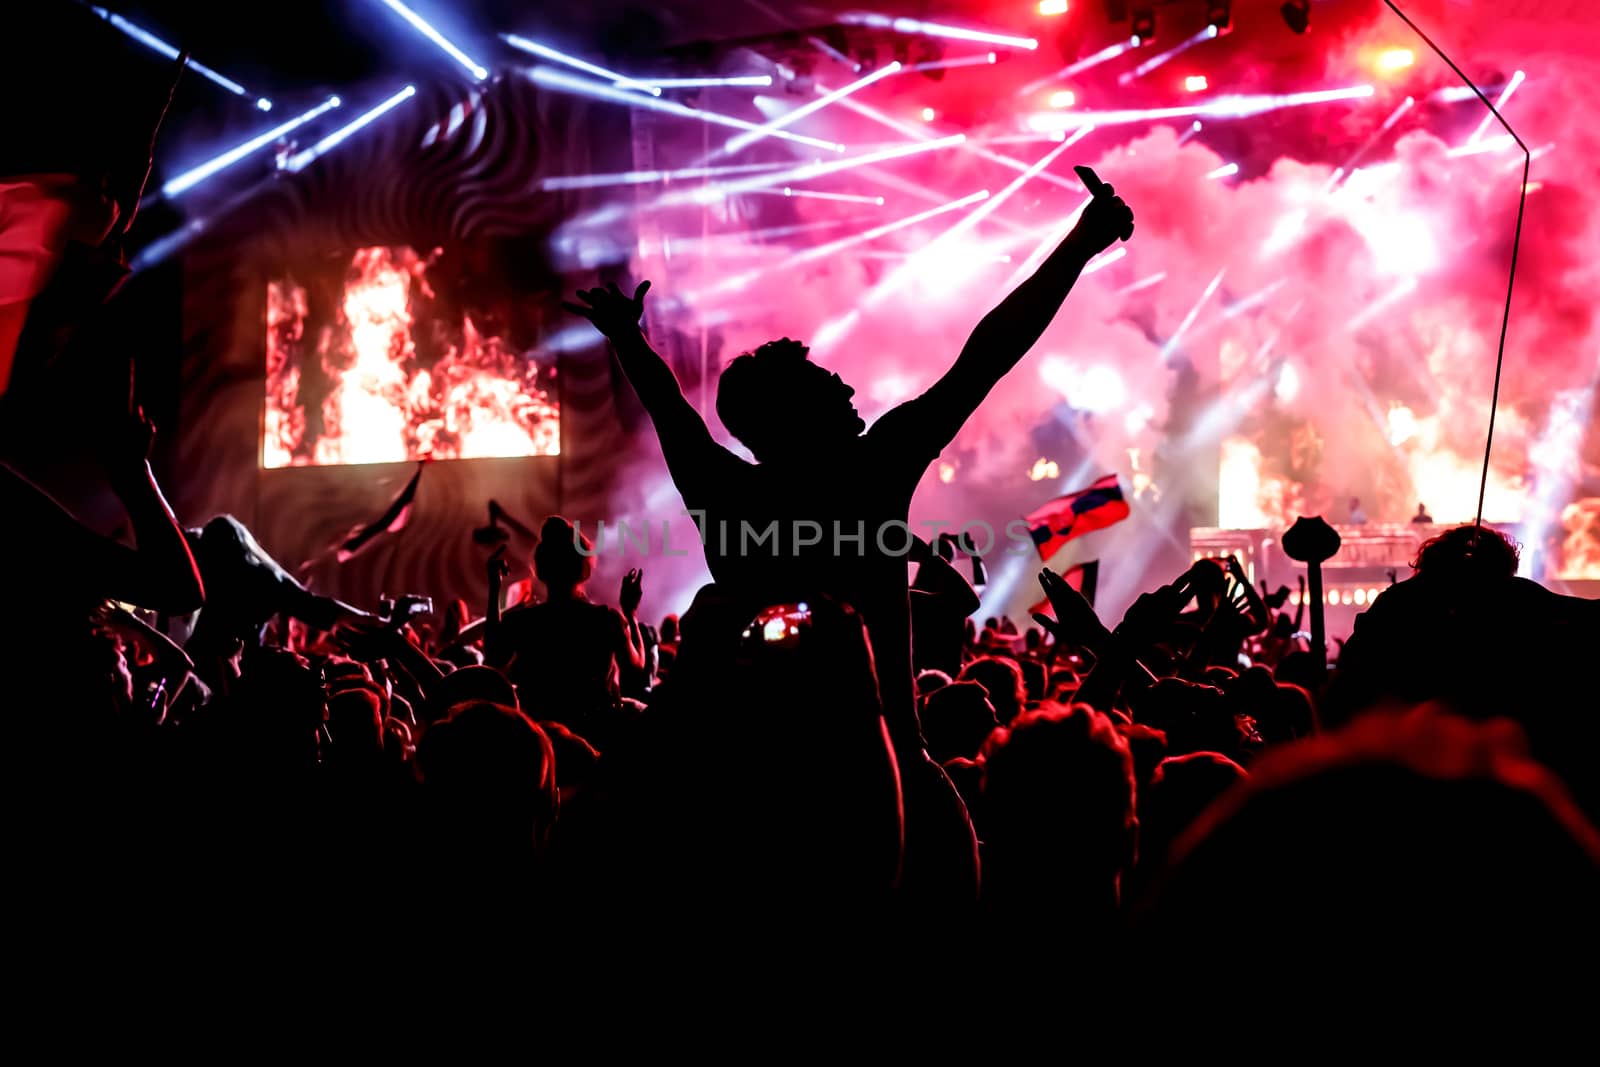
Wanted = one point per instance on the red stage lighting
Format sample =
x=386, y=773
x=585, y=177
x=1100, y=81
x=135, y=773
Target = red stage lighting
x=1196, y=83
x=1219, y=15
x=1144, y=24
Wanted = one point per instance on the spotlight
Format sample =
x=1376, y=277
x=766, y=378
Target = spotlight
x=1052, y=7
x=1392, y=59
x=1219, y=15
x=928, y=114
x=1196, y=83
x=1297, y=14
x=1064, y=98
x=1144, y=24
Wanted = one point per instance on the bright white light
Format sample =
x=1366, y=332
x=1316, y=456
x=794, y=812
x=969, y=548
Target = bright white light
x=745, y=139
x=933, y=29
x=1393, y=59
x=421, y=26
x=546, y=52
x=189, y=179
x=1096, y=389
x=1227, y=107
x=1196, y=83
x=1288, y=384
x=300, y=160
x=554, y=79
x=263, y=104
x=156, y=44
x=1063, y=98
x=695, y=83
x=1401, y=242
x=928, y=114
x=1227, y=170
x=1052, y=7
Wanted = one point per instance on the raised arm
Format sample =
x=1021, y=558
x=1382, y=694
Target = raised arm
x=166, y=578
x=1006, y=334
x=617, y=317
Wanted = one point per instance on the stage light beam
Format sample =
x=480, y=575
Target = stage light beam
x=934, y=29
x=421, y=25
x=1226, y=107
x=1161, y=59
x=1500, y=102
x=191, y=178
x=554, y=79
x=1196, y=83
x=1052, y=7
x=744, y=140
x=1105, y=55
x=156, y=44
x=544, y=51
x=1063, y=98
x=1227, y=170
x=301, y=160
x=752, y=80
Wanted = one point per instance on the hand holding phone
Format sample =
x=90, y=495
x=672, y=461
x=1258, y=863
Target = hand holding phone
x=1104, y=195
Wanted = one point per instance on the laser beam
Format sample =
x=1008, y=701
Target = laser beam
x=1105, y=55
x=952, y=64
x=653, y=177
x=554, y=79
x=934, y=29
x=697, y=83
x=1171, y=344
x=1225, y=107
x=807, y=172
x=1227, y=170
x=922, y=134
x=421, y=25
x=301, y=160
x=544, y=51
x=191, y=178
x=1355, y=157
x=814, y=194
x=156, y=44
x=1499, y=102
x=744, y=140
x=1161, y=59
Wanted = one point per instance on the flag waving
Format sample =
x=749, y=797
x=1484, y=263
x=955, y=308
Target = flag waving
x=1084, y=577
x=1076, y=514
x=394, y=518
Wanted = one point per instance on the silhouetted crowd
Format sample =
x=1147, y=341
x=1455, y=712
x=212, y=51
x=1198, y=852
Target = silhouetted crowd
x=824, y=758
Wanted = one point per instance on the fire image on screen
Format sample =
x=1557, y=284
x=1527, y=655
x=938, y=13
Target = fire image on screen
x=371, y=363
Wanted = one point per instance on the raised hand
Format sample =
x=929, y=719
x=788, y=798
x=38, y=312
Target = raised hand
x=1153, y=612
x=612, y=313
x=1075, y=622
x=632, y=591
x=124, y=456
x=497, y=566
x=1106, y=220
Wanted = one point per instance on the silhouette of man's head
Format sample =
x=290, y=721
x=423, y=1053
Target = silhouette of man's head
x=779, y=404
x=1467, y=552
x=557, y=562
